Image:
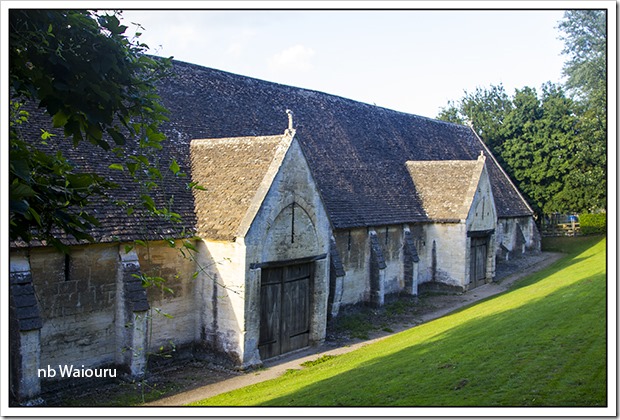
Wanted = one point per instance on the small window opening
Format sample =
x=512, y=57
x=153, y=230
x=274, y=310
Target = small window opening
x=293, y=223
x=67, y=267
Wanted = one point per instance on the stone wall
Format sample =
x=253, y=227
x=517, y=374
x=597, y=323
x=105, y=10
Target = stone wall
x=445, y=258
x=220, y=292
x=442, y=253
x=94, y=311
x=24, y=332
x=516, y=236
x=482, y=215
x=355, y=251
x=392, y=241
x=77, y=297
x=173, y=313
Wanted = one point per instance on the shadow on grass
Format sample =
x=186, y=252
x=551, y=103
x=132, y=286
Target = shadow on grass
x=549, y=352
x=540, y=344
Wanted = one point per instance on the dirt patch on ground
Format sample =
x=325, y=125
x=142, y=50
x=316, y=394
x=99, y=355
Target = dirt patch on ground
x=187, y=379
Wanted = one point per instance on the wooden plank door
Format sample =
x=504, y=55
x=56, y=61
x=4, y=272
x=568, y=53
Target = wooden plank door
x=285, y=309
x=270, y=312
x=478, y=262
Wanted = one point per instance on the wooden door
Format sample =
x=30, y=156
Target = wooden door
x=285, y=309
x=478, y=262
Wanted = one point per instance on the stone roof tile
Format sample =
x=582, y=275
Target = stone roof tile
x=230, y=172
x=447, y=187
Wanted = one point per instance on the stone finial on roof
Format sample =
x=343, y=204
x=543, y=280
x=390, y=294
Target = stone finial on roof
x=290, y=120
x=482, y=156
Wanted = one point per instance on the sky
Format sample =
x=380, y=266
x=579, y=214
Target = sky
x=413, y=61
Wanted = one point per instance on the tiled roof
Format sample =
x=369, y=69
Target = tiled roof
x=446, y=187
x=232, y=172
x=118, y=224
x=357, y=152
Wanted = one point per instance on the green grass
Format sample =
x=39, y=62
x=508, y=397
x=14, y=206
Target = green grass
x=543, y=343
x=318, y=361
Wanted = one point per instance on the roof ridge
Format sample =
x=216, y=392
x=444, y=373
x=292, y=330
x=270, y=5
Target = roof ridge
x=225, y=140
x=302, y=90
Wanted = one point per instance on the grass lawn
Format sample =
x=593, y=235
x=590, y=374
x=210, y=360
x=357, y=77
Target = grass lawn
x=543, y=343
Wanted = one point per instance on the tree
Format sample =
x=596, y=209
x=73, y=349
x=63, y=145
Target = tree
x=538, y=142
x=539, y=149
x=585, y=42
x=554, y=145
x=95, y=85
x=485, y=109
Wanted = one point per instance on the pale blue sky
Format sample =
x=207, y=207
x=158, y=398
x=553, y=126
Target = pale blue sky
x=413, y=61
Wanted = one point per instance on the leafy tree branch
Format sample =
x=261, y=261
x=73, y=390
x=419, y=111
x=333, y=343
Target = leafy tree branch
x=95, y=85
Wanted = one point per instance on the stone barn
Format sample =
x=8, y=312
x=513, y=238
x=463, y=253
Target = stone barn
x=346, y=203
x=264, y=243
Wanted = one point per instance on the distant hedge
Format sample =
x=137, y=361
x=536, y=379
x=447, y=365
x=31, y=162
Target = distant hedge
x=593, y=223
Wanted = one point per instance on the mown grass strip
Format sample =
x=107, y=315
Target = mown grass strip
x=543, y=343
